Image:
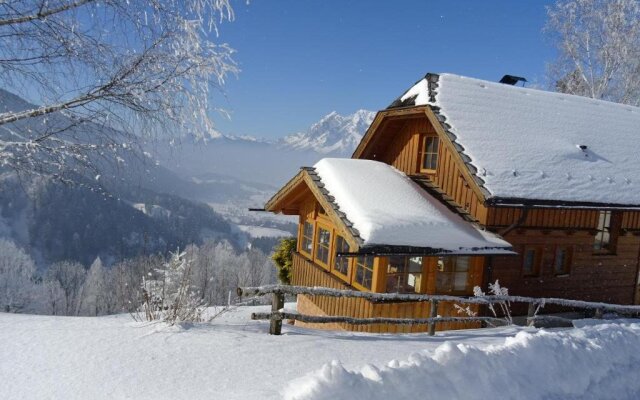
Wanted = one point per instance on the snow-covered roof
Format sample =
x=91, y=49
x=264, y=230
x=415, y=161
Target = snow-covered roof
x=388, y=209
x=526, y=144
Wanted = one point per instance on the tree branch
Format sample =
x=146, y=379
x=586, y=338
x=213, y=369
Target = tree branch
x=41, y=14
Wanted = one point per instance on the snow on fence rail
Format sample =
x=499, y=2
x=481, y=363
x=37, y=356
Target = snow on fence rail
x=279, y=291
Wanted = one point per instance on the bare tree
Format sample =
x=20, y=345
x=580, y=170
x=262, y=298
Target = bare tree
x=598, y=45
x=107, y=73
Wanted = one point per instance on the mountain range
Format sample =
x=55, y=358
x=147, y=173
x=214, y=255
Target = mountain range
x=334, y=134
x=159, y=197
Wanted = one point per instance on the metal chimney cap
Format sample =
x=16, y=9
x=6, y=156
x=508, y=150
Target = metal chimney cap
x=512, y=80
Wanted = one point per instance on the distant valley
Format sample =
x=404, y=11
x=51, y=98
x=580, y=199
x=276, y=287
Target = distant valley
x=156, y=199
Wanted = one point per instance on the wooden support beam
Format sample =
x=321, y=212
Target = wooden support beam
x=531, y=312
x=277, y=303
x=598, y=313
x=433, y=313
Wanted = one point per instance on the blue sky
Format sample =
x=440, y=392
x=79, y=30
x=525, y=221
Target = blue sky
x=303, y=59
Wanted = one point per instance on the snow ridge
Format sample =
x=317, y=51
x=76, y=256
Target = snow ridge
x=334, y=133
x=593, y=362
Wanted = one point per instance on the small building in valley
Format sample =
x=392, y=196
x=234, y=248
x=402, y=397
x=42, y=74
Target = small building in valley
x=461, y=182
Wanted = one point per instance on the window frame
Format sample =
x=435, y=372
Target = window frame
x=358, y=266
x=326, y=265
x=423, y=152
x=538, y=257
x=568, y=260
x=301, y=248
x=403, y=275
x=612, y=229
x=452, y=275
x=336, y=249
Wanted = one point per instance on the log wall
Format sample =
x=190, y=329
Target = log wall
x=592, y=277
x=306, y=273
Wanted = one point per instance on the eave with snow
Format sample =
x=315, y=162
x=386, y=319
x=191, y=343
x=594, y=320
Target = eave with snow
x=525, y=147
x=459, y=174
x=362, y=199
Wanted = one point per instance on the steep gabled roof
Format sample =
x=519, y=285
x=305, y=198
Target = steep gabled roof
x=530, y=146
x=287, y=201
x=391, y=214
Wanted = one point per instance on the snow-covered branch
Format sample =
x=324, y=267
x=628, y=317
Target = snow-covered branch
x=598, y=48
x=43, y=12
x=123, y=70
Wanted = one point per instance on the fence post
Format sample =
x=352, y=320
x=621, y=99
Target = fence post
x=598, y=313
x=277, y=303
x=433, y=313
x=531, y=312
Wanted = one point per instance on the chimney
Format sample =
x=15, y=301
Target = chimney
x=512, y=80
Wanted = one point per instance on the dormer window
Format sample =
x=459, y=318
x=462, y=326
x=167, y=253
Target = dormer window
x=429, y=153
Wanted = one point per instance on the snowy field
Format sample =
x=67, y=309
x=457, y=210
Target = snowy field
x=234, y=358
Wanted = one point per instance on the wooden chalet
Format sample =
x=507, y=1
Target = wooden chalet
x=461, y=182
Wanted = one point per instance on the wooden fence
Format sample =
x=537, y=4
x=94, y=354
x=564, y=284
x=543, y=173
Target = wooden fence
x=278, y=293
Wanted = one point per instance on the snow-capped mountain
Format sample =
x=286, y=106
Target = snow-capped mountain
x=333, y=134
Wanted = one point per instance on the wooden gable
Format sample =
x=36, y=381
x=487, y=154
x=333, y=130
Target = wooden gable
x=303, y=196
x=395, y=139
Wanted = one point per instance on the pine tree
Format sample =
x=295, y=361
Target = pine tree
x=284, y=260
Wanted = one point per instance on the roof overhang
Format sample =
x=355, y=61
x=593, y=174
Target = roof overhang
x=304, y=182
x=540, y=203
x=385, y=250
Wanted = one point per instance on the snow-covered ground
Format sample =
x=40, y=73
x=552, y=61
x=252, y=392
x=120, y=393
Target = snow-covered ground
x=234, y=358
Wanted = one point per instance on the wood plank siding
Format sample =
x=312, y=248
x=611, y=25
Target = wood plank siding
x=556, y=218
x=610, y=278
x=306, y=273
x=401, y=146
x=593, y=277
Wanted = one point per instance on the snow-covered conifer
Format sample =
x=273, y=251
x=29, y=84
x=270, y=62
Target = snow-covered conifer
x=17, y=271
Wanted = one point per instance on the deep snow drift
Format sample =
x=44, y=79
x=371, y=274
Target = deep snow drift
x=234, y=358
x=597, y=362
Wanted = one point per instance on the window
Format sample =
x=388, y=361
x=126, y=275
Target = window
x=306, y=244
x=531, y=259
x=323, y=239
x=404, y=274
x=429, y=153
x=341, y=264
x=364, y=271
x=562, y=260
x=605, y=238
x=452, y=274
